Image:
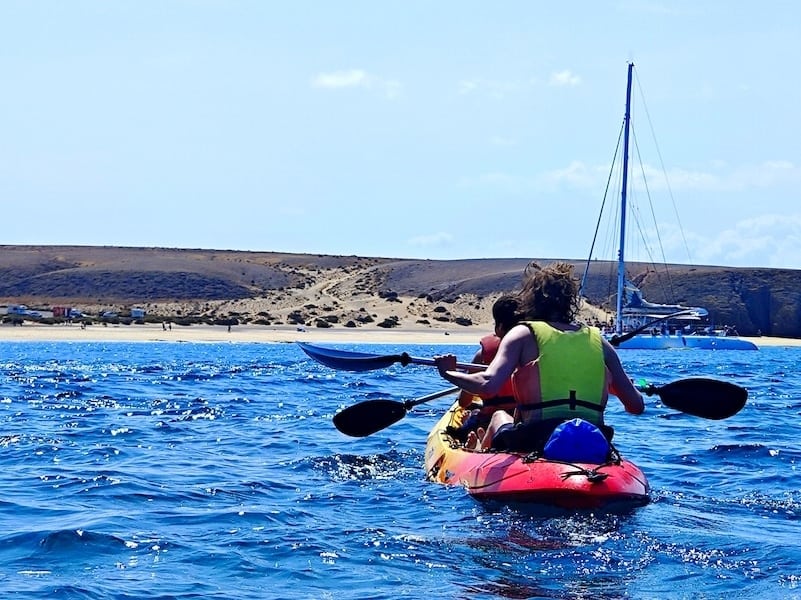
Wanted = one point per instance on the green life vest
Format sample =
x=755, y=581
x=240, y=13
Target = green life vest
x=567, y=380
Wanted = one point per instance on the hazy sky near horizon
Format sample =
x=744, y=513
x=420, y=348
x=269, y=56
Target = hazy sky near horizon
x=415, y=129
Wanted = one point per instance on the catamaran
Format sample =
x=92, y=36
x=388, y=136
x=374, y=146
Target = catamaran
x=663, y=326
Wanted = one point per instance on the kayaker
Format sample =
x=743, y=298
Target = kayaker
x=560, y=370
x=505, y=315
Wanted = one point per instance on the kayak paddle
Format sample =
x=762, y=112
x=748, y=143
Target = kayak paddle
x=345, y=360
x=700, y=397
x=697, y=396
x=365, y=418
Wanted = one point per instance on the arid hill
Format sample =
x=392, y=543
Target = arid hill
x=323, y=290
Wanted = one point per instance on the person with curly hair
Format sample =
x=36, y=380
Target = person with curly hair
x=560, y=370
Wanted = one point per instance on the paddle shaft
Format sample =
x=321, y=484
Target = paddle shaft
x=362, y=361
x=408, y=404
x=406, y=359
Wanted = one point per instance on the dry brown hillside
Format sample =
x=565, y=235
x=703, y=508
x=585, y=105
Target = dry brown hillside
x=339, y=291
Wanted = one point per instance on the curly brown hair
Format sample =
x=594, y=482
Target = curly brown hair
x=549, y=293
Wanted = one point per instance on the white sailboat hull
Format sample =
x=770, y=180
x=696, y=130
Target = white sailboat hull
x=665, y=341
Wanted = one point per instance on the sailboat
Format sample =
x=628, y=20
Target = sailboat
x=663, y=326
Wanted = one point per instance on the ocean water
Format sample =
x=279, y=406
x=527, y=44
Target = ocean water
x=178, y=470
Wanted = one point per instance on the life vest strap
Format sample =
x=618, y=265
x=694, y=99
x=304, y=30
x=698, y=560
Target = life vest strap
x=571, y=402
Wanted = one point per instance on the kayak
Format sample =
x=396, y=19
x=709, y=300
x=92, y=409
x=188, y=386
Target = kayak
x=518, y=477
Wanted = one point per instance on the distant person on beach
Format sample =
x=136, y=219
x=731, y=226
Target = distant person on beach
x=560, y=370
x=505, y=315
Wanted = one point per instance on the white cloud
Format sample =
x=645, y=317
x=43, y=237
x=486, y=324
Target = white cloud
x=468, y=86
x=356, y=78
x=769, y=240
x=724, y=179
x=766, y=174
x=577, y=175
x=563, y=78
x=706, y=236
x=440, y=238
x=341, y=79
x=719, y=179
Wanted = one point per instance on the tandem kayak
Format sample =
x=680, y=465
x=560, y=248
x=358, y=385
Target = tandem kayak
x=526, y=478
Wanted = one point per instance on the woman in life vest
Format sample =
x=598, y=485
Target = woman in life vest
x=505, y=314
x=559, y=370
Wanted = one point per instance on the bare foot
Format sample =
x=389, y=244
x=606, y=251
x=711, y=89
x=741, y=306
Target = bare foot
x=482, y=433
x=475, y=439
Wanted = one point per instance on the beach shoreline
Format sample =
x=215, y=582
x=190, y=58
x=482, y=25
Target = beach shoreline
x=266, y=334
x=236, y=334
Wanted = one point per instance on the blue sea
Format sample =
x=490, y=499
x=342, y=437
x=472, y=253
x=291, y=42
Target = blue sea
x=181, y=470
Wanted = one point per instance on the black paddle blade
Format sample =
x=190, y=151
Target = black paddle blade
x=701, y=397
x=349, y=361
x=365, y=418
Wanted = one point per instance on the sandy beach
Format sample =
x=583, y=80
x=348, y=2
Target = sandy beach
x=237, y=333
x=267, y=334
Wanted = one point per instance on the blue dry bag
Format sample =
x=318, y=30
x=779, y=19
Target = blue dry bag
x=577, y=440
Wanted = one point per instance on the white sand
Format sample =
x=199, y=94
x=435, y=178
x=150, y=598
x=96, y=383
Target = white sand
x=238, y=333
x=268, y=334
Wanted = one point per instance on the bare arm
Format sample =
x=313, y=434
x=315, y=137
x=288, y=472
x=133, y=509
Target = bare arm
x=489, y=381
x=622, y=387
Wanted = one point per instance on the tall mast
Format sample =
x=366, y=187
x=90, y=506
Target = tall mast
x=621, y=264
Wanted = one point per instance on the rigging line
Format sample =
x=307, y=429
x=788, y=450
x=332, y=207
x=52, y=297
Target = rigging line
x=671, y=294
x=668, y=294
x=601, y=212
x=611, y=239
x=664, y=171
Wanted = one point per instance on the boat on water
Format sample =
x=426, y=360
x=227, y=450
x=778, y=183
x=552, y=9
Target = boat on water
x=667, y=326
x=509, y=477
x=659, y=340
x=664, y=326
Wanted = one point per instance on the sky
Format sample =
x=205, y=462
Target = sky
x=407, y=129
